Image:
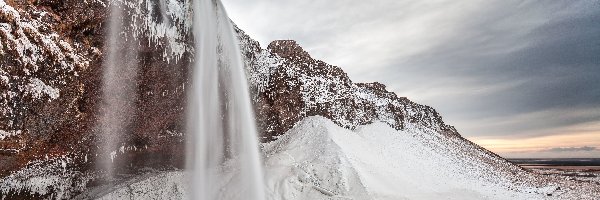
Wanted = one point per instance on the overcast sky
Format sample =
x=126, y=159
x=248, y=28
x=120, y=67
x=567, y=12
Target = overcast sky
x=519, y=77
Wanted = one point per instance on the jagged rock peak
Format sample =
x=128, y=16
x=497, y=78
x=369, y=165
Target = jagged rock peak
x=374, y=85
x=288, y=49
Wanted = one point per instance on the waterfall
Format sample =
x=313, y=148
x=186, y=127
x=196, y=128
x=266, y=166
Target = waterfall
x=222, y=153
x=119, y=91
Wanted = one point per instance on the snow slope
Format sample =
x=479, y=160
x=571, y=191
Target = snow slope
x=318, y=159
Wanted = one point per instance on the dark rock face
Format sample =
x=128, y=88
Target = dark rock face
x=289, y=49
x=51, y=75
x=42, y=92
x=51, y=66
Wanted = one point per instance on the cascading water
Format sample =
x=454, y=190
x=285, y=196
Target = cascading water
x=222, y=158
x=118, y=91
x=222, y=154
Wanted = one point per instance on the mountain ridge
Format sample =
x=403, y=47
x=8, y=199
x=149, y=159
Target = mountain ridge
x=288, y=85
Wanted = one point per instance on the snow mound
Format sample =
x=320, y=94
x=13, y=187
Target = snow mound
x=320, y=160
x=308, y=163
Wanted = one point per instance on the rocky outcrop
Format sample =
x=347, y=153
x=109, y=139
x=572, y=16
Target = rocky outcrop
x=289, y=84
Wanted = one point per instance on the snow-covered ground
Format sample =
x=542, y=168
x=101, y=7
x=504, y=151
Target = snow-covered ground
x=320, y=160
x=317, y=159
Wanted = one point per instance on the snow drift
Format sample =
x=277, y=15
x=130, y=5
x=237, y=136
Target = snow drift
x=318, y=159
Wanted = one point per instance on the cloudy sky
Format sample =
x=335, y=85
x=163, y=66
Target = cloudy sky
x=521, y=78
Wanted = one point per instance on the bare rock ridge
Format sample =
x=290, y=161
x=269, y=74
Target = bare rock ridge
x=288, y=49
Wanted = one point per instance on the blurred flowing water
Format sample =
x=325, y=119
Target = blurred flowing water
x=119, y=91
x=222, y=153
x=222, y=149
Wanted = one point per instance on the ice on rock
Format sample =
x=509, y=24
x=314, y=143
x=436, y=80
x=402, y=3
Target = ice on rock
x=7, y=134
x=37, y=89
x=171, y=34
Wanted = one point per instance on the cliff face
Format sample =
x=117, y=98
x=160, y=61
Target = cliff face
x=51, y=75
x=51, y=70
x=43, y=71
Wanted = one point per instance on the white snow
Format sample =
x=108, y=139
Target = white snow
x=32, y=46
x=373, y=162
x=307, y=164
x=260, y=69
x=49, y=177
x=113, y=155
x=6, y=134
x=169, y=185
x=4, y=80
x=317, y=159
x=37, y=89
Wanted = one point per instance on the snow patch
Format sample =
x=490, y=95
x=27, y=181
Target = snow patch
x=169, y=185
x=7, y=134
x=4, y=80
x=122, y=149
x=45, y=177
x=32, y=46
x=37, y=89
x=307, y=164
x=260, y=69
x=384, y=163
